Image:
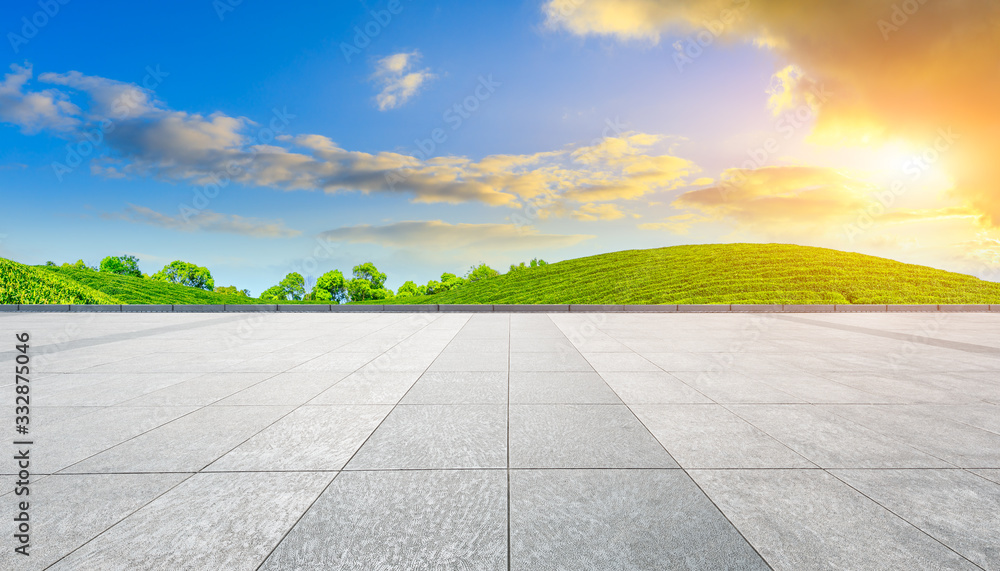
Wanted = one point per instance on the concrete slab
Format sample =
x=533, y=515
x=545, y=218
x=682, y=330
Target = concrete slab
x=586, y=308
x=846, y=440
x=95, y=308
x=582, y=436
x=453, y=308
x=147, y=308
x=963, y=308
x=560, y=388
x=412, y=308
x=304, y=308
x=619, y=519
x=312, y=438
x=669, y=308
x=195, y=441
x=470, y=387
x=652, y=388
x=5, y=307
x=821, y=434
x=808, y=519
x=42, y=308
x=205, y=523
x=538, y=308
x=911, y=308
x=205, y=308
x=703, y=308
x=344, y=308
x=549, y=361
x=710, y=436
x=756, y=308
x=438, y=519
x=959, y=509
x=807, y=308
x=422, y=437
x=859, y=308
x=78, y=508
x=251, y=308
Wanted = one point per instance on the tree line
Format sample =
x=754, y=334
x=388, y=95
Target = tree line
x=366, y=283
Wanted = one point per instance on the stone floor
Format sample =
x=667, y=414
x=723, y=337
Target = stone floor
x=496, y=441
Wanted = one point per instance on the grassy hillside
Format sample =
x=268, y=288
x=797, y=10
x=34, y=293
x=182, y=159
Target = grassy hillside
x=24, y=284
x=133, y=290
x=725, y=273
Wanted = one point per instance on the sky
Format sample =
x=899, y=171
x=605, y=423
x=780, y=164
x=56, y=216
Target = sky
x=261, y=138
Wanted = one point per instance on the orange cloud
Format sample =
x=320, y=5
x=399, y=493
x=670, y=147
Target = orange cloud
x=778, y=197
x=893, y=70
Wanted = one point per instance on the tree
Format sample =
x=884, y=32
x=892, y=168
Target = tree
x=50, y=264
x=121, y=265
x=274, y=293
x=294, y=286
x=186, y=274
x=480, y=272
x=359, y=289
x=231, y=290
x=408, y=289
x=367, y=271
x=79, y=265
x=331, y=286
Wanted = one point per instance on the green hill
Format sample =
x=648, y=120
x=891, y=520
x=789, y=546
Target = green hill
x=725, y=273
x=38, y=284
x=25, y=284
x=131, y=290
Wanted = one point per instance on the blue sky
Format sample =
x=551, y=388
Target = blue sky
x=579, y=131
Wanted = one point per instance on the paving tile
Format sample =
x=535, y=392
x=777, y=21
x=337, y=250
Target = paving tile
x=65, y=443
x=199, y=391
x=955, y=507
x=193, y=441
x=437, y=436
x=709, y=436
x=105, y=389
x=989, y=474
x=560, y=388
x=733, y=387
x=820, y=434
x=807, y=519
x=460, y=345
x=652, y=388
x=210, y=521
x=455, y=387
x=961, y=444
x=459, y=361
x=619, y=519
x=815, y=389
x=314, y=437
x=582, y=436
x=903, y=387
x=368, y=387
x=682, y=360
x=402, y=520
x=554, y=361
x=605, y=362
x=337, y=361
x=545, y=345
x=71, y=510
x=284, y=388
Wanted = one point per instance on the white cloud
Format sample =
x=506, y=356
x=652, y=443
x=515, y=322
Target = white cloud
x=34, y=111
x=148, y=139
x=442, y=236
x=398, y=84
x=205, y=220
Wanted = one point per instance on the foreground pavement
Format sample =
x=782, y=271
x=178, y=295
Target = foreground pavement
x=496, y=441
